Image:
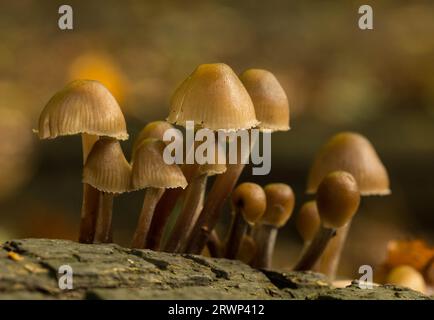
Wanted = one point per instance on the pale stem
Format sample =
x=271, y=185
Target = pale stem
x=152, y=195
x=265, y=238
x=315, y=250
x=89, y=205
x=103, y=229
x=193, y=197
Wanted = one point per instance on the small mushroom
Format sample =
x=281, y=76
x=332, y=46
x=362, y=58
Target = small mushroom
x=337, y=199
x=168, y=200
x=272, y=111
x=214, y=98
x=353, y=153
x=248, y=203
x=407, y=276
x=150, y=172
x=87, y=108
x=107, y=170
x=308, y=222
x=280, y=204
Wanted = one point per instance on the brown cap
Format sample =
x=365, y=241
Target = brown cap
x=269, y=99
x=280, y=203
x=155, y=129
x=337, y=199
x=83, y=106
x=251, y=200
x=407, y=276
x=308, y=221
x=353, y=153
x=106, y=168
x=150, y=169
x=214, y=98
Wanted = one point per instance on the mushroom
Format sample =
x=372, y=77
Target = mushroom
x=83, y=107
x=194, y=197
x=214, y=98
x=248, y=203
x=107, y=170
x=308, y=222
x=272, y=111
x=337, y=199
x=353, y=153
x=280, y=204
x=407, y=276
x=150, y=171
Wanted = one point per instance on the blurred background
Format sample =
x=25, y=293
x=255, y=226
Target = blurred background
x=337, y=77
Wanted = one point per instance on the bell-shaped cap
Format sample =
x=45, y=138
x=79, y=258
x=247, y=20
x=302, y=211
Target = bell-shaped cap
x=269, y=98
x=106, y=168
x=353, y=153
x=250, y=199
x=280, y=204
x=151, y=170
x=337, y=199
x=214, y=98
x=83, y=106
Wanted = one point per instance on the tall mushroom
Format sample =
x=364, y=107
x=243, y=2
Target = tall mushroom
x=151, y=172
x=280, y=204
x=107, y=170
x=353, y=153
x=87, y=108
x=337, y=199
x=248, y=203
x=272, y=111
x=214, y=98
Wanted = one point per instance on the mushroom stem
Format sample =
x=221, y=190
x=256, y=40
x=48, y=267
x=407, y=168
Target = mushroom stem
x=193, y=199
x=265, y=238
x=315, y=250
x=329, y=261
x=221, y=189
x=163, y=210
x=214, y=245
x=238, y=230
x=103, y=228
x=152, y=195
x=89, y=206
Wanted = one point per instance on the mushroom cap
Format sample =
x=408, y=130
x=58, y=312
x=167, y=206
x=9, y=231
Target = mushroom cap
x=280, y=204
x=150, y=170
x=407, y=276
x=353, y=153
x=211, y=169
x=337, y=199
x=155, y=129
x=269, y=98
x=214, y=98
x=308, y=221
x=106, y=168
x=251, y=199
x=83, y=106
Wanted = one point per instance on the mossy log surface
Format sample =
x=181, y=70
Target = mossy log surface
x=29, y=270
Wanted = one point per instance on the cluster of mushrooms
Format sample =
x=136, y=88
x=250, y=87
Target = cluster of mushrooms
x=214, y=97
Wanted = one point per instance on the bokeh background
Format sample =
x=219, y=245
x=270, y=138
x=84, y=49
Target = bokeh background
x=337, y=77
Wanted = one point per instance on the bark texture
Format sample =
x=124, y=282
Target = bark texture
x=29, y=270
